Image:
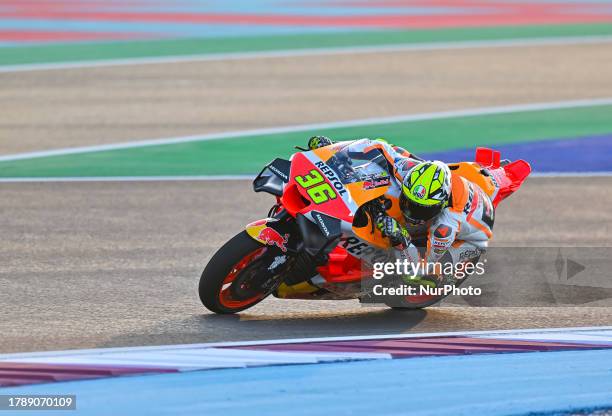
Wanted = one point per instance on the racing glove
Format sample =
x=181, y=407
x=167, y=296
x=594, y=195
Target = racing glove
x=393, y=230
x=319, y=141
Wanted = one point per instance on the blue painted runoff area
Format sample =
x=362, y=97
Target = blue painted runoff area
x=584, y=154
x=492, y=384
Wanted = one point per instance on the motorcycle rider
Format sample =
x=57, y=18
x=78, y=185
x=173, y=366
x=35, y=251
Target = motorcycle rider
x=445, y=217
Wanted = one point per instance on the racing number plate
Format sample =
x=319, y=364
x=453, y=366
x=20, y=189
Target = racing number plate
x=316, y=187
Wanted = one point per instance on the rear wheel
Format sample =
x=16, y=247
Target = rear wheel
x=417, y=301
x=422, y=301
x=229, y=282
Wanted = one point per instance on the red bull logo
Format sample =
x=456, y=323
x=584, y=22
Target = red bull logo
x=376, y=183
x=272, y=237
x=267, y=235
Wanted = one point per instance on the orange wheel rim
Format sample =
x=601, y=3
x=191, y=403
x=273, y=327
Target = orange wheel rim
x=225, y=295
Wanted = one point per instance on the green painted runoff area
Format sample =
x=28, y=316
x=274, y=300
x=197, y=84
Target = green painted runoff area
x=248, y=154
x=94, y=51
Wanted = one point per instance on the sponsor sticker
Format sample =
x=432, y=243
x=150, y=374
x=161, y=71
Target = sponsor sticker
x=419, y=192
x=443, y=231
x=278, y=260
x=272, y=237
x=469, y=254
x=331, y=175
x=440, y=243
x=376, y=182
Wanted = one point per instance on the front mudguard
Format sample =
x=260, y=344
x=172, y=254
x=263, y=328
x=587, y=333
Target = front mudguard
x=275, y=233
x=299, y=235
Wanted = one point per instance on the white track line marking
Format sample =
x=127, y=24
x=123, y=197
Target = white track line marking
x=429, y=46
x=205, y=178
x=515, y=108
x=73, y=353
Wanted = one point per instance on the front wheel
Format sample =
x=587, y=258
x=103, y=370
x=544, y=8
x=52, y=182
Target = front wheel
x=228, y=283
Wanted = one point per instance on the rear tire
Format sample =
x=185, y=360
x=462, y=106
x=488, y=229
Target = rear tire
x=225, y=263
x=425, y=303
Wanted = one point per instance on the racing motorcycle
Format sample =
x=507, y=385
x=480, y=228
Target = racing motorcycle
x=319, y=240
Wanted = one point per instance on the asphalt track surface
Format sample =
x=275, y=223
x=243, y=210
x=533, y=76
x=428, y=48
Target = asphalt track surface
x=44, y=110
x=116, y=264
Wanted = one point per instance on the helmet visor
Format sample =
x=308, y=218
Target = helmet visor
x=418, y=213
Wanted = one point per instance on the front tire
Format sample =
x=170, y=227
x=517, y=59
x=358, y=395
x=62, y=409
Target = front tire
x=224, y=270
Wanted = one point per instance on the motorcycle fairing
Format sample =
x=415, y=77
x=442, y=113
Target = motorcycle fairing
x=320, y=236
x=507, y=178
x=317, y=234
x=349, y=193
x=272, y=177
x=303, y=290
x=495, y=180
x=356, y=193
x=320, y=224
x=270, y=231
x=300, y=197
x=328, y=225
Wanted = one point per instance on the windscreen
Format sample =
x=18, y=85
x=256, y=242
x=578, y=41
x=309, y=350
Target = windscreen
x=357, y=166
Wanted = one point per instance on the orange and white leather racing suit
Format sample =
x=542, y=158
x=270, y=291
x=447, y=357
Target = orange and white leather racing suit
x=460, y=232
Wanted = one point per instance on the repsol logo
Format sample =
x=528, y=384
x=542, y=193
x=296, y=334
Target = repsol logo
x=365, y=251
x=331, y=175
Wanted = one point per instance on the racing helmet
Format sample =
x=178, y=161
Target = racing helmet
x=425, y=191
